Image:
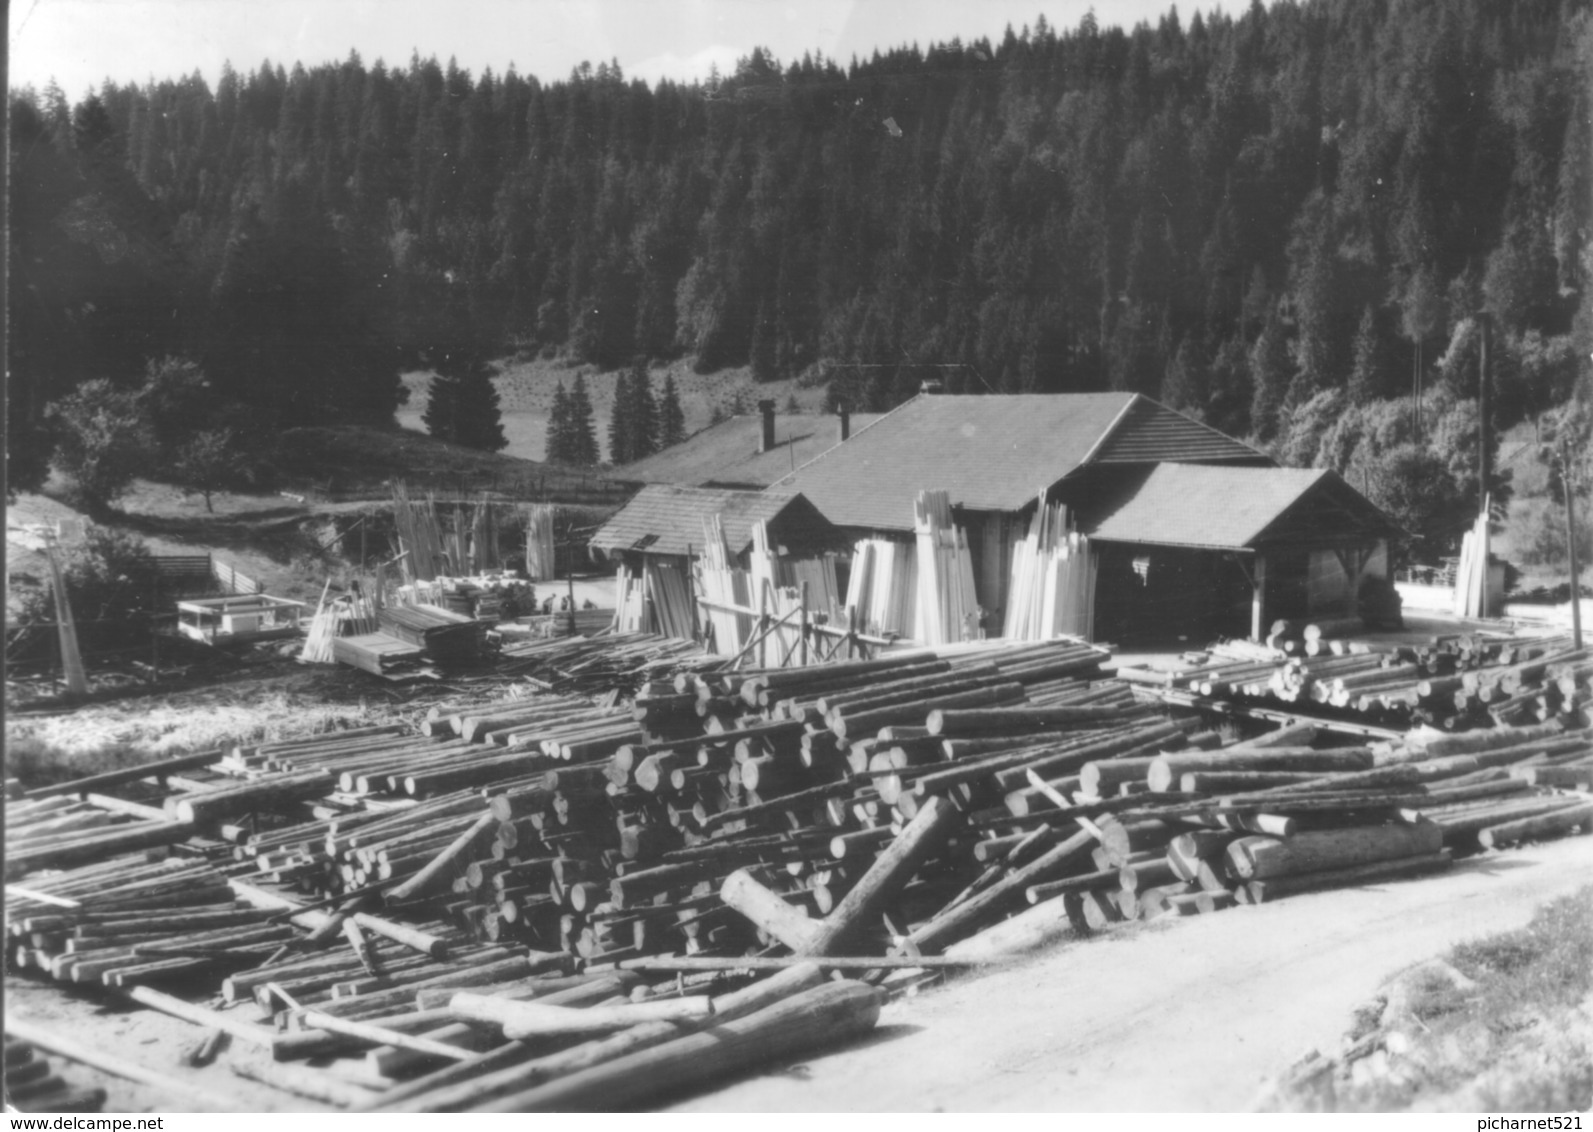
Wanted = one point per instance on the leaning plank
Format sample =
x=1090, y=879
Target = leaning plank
x=240, y=1029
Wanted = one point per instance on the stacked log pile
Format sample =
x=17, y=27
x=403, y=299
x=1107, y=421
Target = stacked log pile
x=130, y=920
x=1455, y=683
x=551, y=902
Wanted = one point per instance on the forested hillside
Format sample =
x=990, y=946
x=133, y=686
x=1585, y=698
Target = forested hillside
x=1285, y=222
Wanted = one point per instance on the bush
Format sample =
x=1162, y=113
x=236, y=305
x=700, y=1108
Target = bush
x=110, y=582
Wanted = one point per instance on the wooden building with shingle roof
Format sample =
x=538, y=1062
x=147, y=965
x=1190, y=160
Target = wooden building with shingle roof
x=1196, y=533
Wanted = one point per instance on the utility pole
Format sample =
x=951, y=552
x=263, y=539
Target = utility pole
x=1483, y=361
x=1484, y=385
x=1570, y=542
x=71, y=658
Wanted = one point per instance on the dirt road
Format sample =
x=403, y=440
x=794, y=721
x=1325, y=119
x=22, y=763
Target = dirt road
x=1190, y=1015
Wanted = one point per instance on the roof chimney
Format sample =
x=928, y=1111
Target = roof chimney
x=767, y=409
x=932, y=385
x=846, y=421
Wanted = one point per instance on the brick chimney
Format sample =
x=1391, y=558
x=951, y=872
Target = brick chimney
x=846, y=422
x=767, y=409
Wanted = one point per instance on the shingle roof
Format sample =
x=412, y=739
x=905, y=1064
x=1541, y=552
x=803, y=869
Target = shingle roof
x=1150, y=433
x=994, y=453
x=665, y=519
x=726, y=454
x=1230, y=508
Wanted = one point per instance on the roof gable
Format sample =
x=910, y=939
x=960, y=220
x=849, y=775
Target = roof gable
x=1151, y=433
x=1232, y=508
x=994, y=453
x=666, y=519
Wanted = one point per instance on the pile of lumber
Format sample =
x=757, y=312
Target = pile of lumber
x=1455, y=683
x=618, y=662
x=61, y=832
x=1471, y=572
x=441, y=634
x=882, y=589
x=657, y=599
x=380, y=654
x=1052, y=589
x=539, y=551
x=948, y=609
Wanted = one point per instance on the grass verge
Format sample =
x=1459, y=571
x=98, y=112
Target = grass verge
x=1500, y=1024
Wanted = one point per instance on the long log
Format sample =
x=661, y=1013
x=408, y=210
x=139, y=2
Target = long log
x=112, y=842
x=158, y=768
x=956, y=922
x=769, y=912
x=515, y=1067
x=1551, y=824
x=1166, y=770
x=211, y=806
x=1275, y=888
x=524, y=1020
x=825, y=1015
x=381, y=1035
x=452, y=859
x=954, y=723
x=423, y=942
x=936, y=820
x=1318, y=850
x=244, y=1031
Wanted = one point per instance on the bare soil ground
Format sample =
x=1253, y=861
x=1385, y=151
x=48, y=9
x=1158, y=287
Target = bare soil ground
x=1191, y=1015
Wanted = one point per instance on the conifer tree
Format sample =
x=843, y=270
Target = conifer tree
x=620, y=429
x=583, y=450
x=1271, y=376
x=671, y=420
x=643, y=412
x=558, y=442
x=463, y=408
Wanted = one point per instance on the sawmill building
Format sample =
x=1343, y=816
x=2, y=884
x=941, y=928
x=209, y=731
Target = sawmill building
x=1195, y=533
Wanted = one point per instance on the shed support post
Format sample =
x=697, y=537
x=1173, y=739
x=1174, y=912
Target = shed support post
x=1258, y=591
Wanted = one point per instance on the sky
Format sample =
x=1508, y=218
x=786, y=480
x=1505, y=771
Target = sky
x=80, y=43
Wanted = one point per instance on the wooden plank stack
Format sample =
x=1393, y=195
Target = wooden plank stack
x=1052, y=588
x=948, y=609
x=441, y=634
